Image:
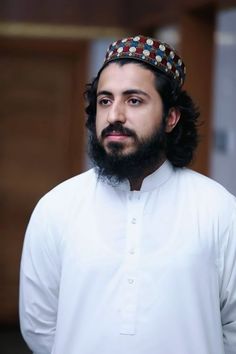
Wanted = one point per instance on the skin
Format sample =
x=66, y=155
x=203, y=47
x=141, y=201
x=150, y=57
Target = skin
x=127, y=94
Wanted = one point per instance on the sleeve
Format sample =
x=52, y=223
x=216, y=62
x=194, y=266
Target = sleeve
x=228, y=289
x=39, y=283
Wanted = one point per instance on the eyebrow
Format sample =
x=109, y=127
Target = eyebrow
x=125, y=93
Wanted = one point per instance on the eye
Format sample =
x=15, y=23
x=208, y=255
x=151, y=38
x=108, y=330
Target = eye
x=104, y=101
x=134, y=101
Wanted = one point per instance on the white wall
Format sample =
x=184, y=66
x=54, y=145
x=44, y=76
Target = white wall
x=97, y=52
x=223, y=157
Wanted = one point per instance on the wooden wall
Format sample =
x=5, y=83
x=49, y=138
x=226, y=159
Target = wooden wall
x=197, y=48
x=118, y=13
x=41, y=140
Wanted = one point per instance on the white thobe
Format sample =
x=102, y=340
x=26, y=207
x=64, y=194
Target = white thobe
x=106, y=270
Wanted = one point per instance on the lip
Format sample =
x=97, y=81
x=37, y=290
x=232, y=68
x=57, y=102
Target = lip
x=116, y=136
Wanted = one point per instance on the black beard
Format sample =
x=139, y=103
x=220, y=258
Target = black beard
x=115, y=167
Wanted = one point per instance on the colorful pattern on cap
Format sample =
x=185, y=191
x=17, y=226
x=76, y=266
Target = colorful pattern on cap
x=151, y=51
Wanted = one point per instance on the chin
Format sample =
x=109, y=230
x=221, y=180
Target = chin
x=120, y=153
x=119, y=149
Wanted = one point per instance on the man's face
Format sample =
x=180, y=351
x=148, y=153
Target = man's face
x=129, y=109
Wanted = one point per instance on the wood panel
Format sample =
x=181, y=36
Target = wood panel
x=81, y=12
x=197, y=49
x=41, y=144
x=118, y=13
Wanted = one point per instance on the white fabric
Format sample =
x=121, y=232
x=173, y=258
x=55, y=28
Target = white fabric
x=110, y=271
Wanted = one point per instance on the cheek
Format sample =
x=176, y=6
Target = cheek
x=148, y=126
x=155, y=119
x=99, y=125
x=98, y=129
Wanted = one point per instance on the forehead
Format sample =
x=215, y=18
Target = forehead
x=127, y=76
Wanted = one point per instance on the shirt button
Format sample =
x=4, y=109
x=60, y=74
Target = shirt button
x=134, y=221
x=130, y=281
x=132, y=251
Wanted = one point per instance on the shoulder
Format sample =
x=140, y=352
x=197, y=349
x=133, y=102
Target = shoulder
x=203, y=182
x=73, y=185
x=69, y=194
x=209, y=194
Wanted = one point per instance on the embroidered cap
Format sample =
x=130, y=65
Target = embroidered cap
x=151, y=51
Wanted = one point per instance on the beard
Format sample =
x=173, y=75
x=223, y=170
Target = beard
x=115, y=166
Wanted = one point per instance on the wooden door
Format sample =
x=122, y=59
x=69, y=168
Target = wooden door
x=41, y=141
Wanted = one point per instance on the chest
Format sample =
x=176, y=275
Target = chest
x=148, y=232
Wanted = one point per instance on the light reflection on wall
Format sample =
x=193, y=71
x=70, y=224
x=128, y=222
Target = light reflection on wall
x=170, y=35
x=223, y=157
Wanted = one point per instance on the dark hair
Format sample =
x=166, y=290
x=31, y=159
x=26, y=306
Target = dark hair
x=183, y=139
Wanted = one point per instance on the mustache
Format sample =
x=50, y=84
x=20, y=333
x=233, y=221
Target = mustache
x=117, y=128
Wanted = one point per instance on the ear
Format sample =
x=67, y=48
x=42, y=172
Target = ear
x=172, y=119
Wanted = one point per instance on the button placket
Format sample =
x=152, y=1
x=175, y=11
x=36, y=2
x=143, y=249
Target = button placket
x=129, y=307
x=130, y=293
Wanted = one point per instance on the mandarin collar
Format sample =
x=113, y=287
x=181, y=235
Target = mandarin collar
x=152, y=181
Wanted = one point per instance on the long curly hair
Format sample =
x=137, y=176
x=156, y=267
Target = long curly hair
x=182, y=141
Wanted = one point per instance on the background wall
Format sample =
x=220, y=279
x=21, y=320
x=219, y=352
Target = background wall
x=223, y=154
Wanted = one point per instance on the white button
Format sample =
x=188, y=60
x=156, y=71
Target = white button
x=132, y=251
x=133, y=221
x=130, y=281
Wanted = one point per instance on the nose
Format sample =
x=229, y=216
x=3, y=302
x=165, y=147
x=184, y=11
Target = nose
x=116, y=113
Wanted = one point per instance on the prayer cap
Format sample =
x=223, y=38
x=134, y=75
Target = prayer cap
x=151, y=51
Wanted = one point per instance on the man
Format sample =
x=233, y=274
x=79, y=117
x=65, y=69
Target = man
x=138, y=255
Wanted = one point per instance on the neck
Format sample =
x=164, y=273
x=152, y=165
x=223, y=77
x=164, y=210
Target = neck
x=136, y=183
